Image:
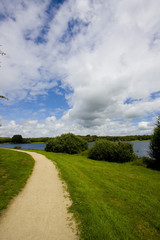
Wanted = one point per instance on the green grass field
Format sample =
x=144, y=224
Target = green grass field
x=111, y=201
x=15, y=168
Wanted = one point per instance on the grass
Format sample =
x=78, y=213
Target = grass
x=15, y=168
x=111, y=201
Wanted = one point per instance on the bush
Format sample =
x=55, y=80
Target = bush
x=67, y=143
x=17, y=147
x=112, y=152
x=17, y=139
x=155, y=145
x=143, y=161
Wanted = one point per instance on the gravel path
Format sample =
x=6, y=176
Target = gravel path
x=39, y=212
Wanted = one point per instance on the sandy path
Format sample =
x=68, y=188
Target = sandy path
x=39, y=212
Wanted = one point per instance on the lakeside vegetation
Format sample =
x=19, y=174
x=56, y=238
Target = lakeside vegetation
x=93, y=138
x=15, y=168
x=24, y=140
x=67, y=143
x=88, y=138
x=111, y=200
x=155, y=145
x=104, y=150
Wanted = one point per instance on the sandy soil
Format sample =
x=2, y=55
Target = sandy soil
x=39, y=212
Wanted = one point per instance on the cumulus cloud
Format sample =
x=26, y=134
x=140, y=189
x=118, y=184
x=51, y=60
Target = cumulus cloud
x=104, y=51
x=143, y=125
x=122, y=64
x=52, y=127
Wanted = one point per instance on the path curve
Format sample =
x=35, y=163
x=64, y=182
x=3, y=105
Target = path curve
x=39, y=212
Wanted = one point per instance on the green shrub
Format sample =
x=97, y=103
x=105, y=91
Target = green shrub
x=17, y=147
x=17, y=139
x=125, y=152
x=112, y=152
x=155, y=145
x=67, y=143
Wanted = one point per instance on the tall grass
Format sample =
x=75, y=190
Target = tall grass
x=15, y=168
x=111, y=201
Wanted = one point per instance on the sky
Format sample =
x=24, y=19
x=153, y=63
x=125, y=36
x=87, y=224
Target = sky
x=80, y=66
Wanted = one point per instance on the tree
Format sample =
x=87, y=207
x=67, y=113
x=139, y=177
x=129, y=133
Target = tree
x=67, y=143
x=6, y=99
x=155, y=144
x=17, y=139
x=2, y=53
x=3, y=97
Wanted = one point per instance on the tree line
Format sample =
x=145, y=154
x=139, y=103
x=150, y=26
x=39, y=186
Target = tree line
x=88, y=138
x=94, y=138
x=20, y=139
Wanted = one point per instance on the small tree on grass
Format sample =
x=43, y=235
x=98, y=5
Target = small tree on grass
x=155, y=144
x=17, y=139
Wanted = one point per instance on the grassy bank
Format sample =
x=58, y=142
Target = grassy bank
x=15, y=168
x=112, y=201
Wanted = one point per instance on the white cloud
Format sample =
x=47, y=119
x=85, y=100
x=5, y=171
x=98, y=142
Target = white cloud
x=51, y=127
x=122, y=64
x=50, y=119
x=143, y=125
x=23, y=72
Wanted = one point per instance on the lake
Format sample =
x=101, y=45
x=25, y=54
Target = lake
x=39, y=146
x=141, y=148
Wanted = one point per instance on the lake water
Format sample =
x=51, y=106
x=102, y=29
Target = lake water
x=39, y=146
x=141, y=148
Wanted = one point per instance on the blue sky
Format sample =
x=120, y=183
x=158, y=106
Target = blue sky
x=81, y=66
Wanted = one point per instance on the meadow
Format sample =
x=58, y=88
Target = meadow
x=15, y=168
x=111, y=200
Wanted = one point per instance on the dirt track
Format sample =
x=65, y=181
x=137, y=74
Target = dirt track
x=39, y=212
